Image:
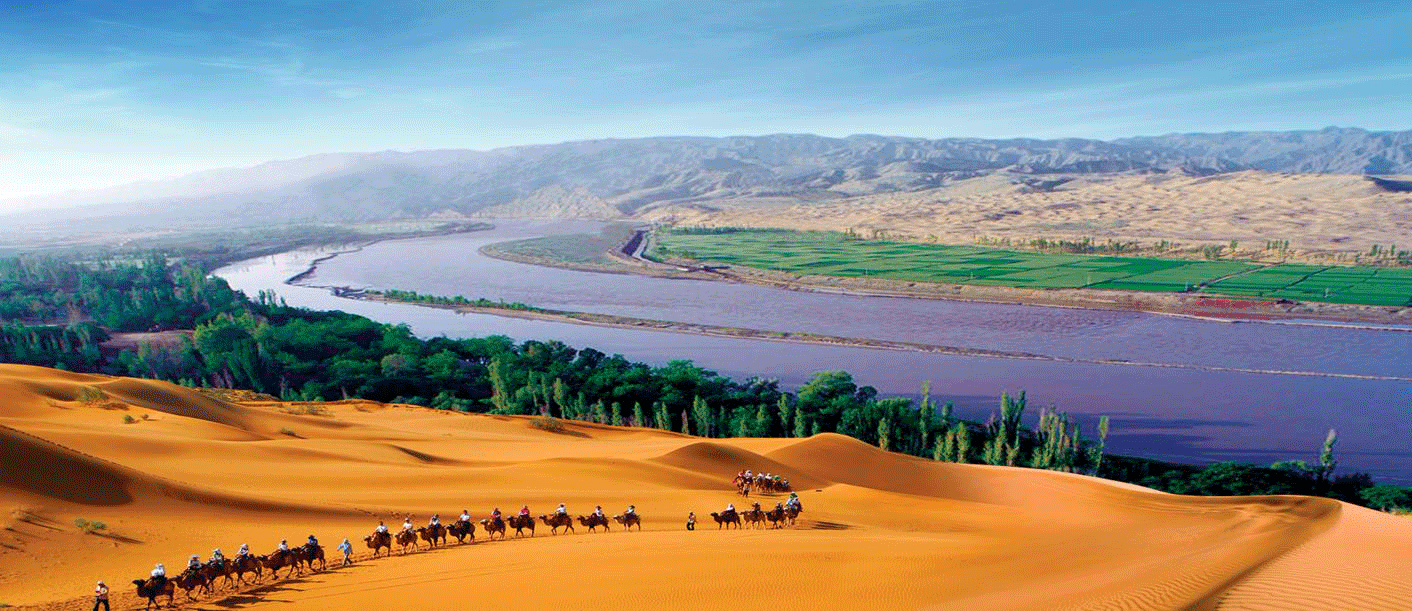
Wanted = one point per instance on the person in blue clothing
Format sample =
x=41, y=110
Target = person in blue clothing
x=347, y=549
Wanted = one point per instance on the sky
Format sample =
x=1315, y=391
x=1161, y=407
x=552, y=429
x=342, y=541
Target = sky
x=98, y=92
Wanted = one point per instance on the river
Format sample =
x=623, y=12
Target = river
x=1181, y=410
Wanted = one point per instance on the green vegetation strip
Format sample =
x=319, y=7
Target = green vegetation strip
x=845, y=256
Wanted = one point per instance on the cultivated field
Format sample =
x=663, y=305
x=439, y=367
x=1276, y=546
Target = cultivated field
x=839, y=255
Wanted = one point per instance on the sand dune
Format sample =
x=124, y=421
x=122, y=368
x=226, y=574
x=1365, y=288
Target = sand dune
x=1314, y=212
x=880, y=531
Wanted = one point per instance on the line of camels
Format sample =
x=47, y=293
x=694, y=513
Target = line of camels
x=302, y=558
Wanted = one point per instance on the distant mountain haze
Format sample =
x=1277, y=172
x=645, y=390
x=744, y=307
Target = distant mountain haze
x=605, y=178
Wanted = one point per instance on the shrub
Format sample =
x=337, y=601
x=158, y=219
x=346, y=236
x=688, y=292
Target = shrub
x=287, y=431
x=89, y=395
x=548, y=424
x=89, y=527
x=128, y=419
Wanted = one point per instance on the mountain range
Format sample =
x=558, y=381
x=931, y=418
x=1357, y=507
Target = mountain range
x=630, y=176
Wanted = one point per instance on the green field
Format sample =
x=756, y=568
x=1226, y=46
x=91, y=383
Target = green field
x=834, y=254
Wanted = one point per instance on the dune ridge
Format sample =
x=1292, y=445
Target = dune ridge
x=880, y=530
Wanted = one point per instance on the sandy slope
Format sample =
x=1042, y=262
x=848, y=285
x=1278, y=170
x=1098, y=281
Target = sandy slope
x=881, y=530
x=1313, y=212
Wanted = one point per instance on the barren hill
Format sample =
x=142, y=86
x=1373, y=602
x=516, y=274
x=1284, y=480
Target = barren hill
x=634, y=176
x=191, y=473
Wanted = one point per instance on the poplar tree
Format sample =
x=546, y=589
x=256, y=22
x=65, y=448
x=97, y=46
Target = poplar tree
x=664, y=418
x=786, y=415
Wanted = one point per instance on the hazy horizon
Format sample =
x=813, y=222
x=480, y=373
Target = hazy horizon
x=109, y=93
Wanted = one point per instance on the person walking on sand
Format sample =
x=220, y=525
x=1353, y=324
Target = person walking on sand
x=691, y=520
x=100, y=597
x=347, y=549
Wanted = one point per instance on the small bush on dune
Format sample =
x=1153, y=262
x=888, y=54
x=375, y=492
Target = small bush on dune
x=287, y=431
x=548, y=424
x=89, y=527
x=89, y=395
x=128, y=419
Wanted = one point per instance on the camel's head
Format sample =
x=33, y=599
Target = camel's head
x=138, y=582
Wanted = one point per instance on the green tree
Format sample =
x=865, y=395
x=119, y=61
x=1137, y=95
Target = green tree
x=785, y=415
x=1384, y=497
x=500, y=385
x=1327, y=462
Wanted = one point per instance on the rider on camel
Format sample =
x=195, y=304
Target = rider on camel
x=283, y=548
x=407, y=524
x=194, y=564
x=217, y=558
x=730, y=508
x=243, y=551
x=381, y=529
x=598, y=511
x=159, y=576
x=495, y=515
x=435, y=521
x=561, y=510
x=312, y=544
x=465, y=515
x=631, y=510
x=524, y=511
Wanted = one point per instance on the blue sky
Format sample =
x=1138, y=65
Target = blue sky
x=105, y=92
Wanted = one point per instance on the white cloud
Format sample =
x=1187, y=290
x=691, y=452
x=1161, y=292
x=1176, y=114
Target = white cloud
x=10, y=133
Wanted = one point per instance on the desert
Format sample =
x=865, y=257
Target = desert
x=881, y=530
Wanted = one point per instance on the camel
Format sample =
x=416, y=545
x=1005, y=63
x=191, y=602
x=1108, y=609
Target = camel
x=594, y=521
x=190, y=579
x=791, y=513
x=559, y=520
x=775, y=516
x=312, y=553
x=146, y=589
x=755, y=517
x=276, y=561
x=628, y=520
x=379, y=540
x=404, y=539
x=493, y=526
x=520, y=523
x=433, y=534
x=461, y=530
x=241, y=565
x=299, y=556
x=212, y=570
x=726, y=519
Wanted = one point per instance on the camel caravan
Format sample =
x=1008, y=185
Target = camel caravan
x=747, y=481
x=202, y=577
x=783, y=514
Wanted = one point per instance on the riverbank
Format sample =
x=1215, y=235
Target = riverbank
x=527, y=312
x=1203, y=307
